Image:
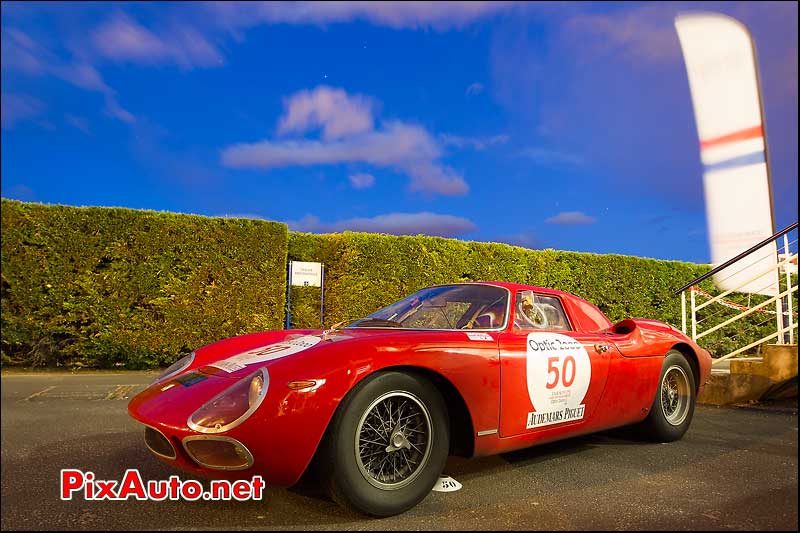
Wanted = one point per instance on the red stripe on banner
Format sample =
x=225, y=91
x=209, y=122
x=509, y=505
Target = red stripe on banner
x=742, y=135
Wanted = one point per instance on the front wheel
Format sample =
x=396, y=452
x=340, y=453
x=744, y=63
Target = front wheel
x=673, y=405
x=387, y=444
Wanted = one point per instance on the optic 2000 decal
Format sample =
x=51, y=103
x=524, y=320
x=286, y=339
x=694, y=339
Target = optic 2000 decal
x=559, y=372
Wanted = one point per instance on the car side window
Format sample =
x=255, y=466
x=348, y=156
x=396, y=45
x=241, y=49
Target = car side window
x=443, y=316
x=537, y=311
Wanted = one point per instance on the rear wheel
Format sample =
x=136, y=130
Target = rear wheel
x=387, y=444
x=673, y=405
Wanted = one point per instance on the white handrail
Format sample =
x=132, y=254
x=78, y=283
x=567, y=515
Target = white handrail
x=761, y=273
x=683, y=312
x=751, y=345
x=784, y=325
x=745, y=313
x=789, y=284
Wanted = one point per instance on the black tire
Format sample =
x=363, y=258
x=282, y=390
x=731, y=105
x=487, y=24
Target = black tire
x=352, y=444
x=673, y=405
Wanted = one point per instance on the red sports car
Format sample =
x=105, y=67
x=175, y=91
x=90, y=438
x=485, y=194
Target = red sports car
x=467, y=369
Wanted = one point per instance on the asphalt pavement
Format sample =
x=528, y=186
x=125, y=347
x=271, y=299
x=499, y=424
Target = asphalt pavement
x=736, y=468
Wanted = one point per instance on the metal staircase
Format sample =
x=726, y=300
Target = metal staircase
x=746, y=326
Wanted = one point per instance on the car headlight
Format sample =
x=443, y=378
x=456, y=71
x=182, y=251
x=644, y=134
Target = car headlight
x=232, y=406
x=176, y=368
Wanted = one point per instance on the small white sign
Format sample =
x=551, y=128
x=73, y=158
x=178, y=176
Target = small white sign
x=479, y=337
x=306, y=274
x=446, y=484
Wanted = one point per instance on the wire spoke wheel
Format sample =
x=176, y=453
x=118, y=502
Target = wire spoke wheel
x=675, y=395
x=393, y=440
x=386, y=445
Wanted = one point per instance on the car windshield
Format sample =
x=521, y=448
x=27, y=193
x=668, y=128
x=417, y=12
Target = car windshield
x=446, y=307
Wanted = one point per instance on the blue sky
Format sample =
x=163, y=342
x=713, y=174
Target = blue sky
x=546, y=125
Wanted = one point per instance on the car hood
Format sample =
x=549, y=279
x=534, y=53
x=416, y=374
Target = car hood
x=287, y=355
x=234, y=358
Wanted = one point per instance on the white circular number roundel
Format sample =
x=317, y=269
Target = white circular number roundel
x=559, y=372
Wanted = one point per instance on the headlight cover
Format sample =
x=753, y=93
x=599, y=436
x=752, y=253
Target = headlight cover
x=232, y=406
x=175, y=368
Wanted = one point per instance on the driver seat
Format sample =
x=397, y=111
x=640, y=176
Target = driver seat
x=553, y=317
x=490, y=318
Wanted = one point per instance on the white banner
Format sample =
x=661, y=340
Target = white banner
x=720, y=63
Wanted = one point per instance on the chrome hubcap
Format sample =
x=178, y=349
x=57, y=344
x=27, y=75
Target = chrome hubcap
x=393, y=437
x=675, y=395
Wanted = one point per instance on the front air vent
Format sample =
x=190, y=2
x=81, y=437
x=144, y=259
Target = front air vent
x=219, y=453
x=158, y=443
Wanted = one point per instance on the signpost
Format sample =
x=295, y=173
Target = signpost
x=305, y=274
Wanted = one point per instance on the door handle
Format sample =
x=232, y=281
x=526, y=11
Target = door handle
x=601, y=348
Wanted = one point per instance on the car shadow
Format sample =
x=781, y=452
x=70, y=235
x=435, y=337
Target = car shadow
x=31, y=485
x=542, y=453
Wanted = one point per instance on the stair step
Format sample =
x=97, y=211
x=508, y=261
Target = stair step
x=780, y=361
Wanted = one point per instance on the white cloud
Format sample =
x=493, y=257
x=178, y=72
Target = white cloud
x=114, y=110
x=524, y=239
x=362, y=180
x=571, y=218
x=193, y=36
x=439, y=16
x=392, y=223
x=118, y=39
x=20, y=192
x=549, y=157
x=15, y=108
x=474, y=89
x=476, y=143
x=404, y=147
x=121, y=38
x=23, y=54
x=77, y=122
x=338, y=113
x=645, y=33
x=393, y=145
x=81, y=75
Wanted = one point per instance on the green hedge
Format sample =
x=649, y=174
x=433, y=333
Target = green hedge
x=365, y=272
x=107, y=287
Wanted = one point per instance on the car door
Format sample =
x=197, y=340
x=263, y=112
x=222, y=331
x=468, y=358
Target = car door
x=551, y=375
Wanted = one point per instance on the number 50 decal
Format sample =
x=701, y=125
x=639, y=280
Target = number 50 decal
x=558, y=373
x=567, y=371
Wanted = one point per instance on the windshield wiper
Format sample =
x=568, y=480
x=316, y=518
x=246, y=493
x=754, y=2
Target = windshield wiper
x=377, y=322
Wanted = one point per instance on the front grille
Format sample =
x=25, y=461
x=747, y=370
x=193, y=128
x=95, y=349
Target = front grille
x=158, y=443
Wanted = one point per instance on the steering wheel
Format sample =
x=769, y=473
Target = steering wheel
x=538, y=318
x=471, y=322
